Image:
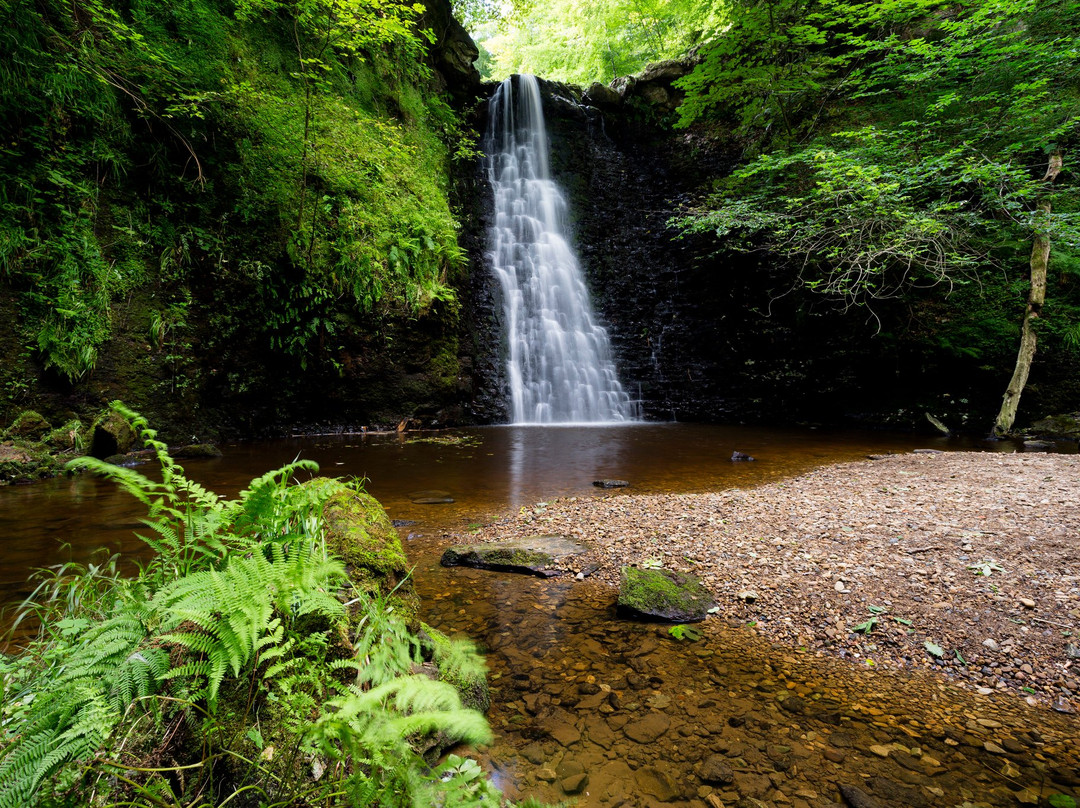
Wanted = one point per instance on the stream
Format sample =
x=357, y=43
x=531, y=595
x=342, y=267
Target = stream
x=611, y=712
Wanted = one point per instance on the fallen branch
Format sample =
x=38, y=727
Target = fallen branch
x=914, y=550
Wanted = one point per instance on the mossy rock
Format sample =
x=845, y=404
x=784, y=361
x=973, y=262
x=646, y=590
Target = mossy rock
x=66, y=438
x=111, y=435
x=472, y=685
x=195, y=451
x=22, y=463
x=1066, y=425
x=546, y=556
x=29, y=425
x=359, y=532
x=663, y=595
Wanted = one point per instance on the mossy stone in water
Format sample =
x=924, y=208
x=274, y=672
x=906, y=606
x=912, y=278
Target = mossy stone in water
x=359, y=532
x=546, y=556
x=111, y=435
x=663, y=595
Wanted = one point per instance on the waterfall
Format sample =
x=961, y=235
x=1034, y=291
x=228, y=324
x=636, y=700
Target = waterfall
x=559, y=358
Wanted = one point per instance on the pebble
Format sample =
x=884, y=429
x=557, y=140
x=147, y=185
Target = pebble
x=1027, y=603
x=838, y=586
x=991, y=644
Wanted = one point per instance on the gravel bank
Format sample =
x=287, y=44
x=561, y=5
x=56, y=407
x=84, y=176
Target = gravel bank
x=967, y=563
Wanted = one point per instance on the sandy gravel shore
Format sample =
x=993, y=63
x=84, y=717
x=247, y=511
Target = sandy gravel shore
x=968, y=563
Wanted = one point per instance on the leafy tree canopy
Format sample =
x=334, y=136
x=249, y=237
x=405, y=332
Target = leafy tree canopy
x=582, y=43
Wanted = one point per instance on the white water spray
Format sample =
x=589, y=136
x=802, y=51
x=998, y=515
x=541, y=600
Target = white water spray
x=559, y=364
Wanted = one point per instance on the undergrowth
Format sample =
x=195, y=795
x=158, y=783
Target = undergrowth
x=237, y=667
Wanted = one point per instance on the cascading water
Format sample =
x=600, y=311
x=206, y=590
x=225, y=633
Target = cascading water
x=559, y=365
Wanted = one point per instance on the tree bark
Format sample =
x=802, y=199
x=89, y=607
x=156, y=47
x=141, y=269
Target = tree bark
x=1040, y=258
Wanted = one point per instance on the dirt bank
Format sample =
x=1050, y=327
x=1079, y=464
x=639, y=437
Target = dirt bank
x=968, y=563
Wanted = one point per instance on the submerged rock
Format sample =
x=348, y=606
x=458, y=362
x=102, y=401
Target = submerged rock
x=610, y=483
x=432, y=497
x=737, y=456
x=195, y=451
x=663, y=595
x=545, y=556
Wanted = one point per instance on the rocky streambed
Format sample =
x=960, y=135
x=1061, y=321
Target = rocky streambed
x=899, y=631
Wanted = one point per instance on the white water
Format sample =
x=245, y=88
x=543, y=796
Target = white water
x=559, y=358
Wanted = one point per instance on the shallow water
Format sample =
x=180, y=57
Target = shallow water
x=578, y=692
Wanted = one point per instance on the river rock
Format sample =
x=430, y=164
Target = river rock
x=195, y=451
x=433, y=497
x=664, y=595
x=656, y=782
x=1066, y=425
x=714, y=769
x=857, y=798
x=738, y=457
x=546, y=556
x=647, y=729
x=610, y=483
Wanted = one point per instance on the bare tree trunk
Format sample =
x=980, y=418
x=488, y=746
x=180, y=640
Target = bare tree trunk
x=1040, y=258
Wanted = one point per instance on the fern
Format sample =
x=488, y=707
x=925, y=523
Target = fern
x=233, y=609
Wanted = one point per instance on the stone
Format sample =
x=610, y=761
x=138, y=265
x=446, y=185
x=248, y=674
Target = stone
x=195, y=451
x=610, y=483
x=544, y=556
x=359, y=532
x=111, y=434
x=65, y=438
x=663, y=594
x=737, y=457
x=881, y=751
x=714, y=769
x=647, y=729
x=1038, y=445
x=431, y=497
x=1066, y=425
x=656, y=782
x=857, y=798
x=29, y=425
x=1027, y=603
x=747, y=596
x=834, y=755
x=990, y=644
x=574, y=783
x=601, y=95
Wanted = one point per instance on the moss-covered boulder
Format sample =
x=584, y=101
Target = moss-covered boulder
x=1066, y=425
x=546, y=556
x=663, y=595
x=21, y=463
x=359, y=532
x=470, y=680
x=111, y=434
x=66, y=438
x=30, y=425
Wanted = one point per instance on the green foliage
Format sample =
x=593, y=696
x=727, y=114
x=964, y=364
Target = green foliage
x=293, y=156
x=567, y=41
x=896, y=147
x=237, y=629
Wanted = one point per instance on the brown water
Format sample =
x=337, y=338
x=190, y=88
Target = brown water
x=614, y=712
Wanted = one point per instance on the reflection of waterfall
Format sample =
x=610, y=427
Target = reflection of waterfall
x=559, y=365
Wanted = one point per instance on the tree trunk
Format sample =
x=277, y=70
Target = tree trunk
x=1040, y=258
